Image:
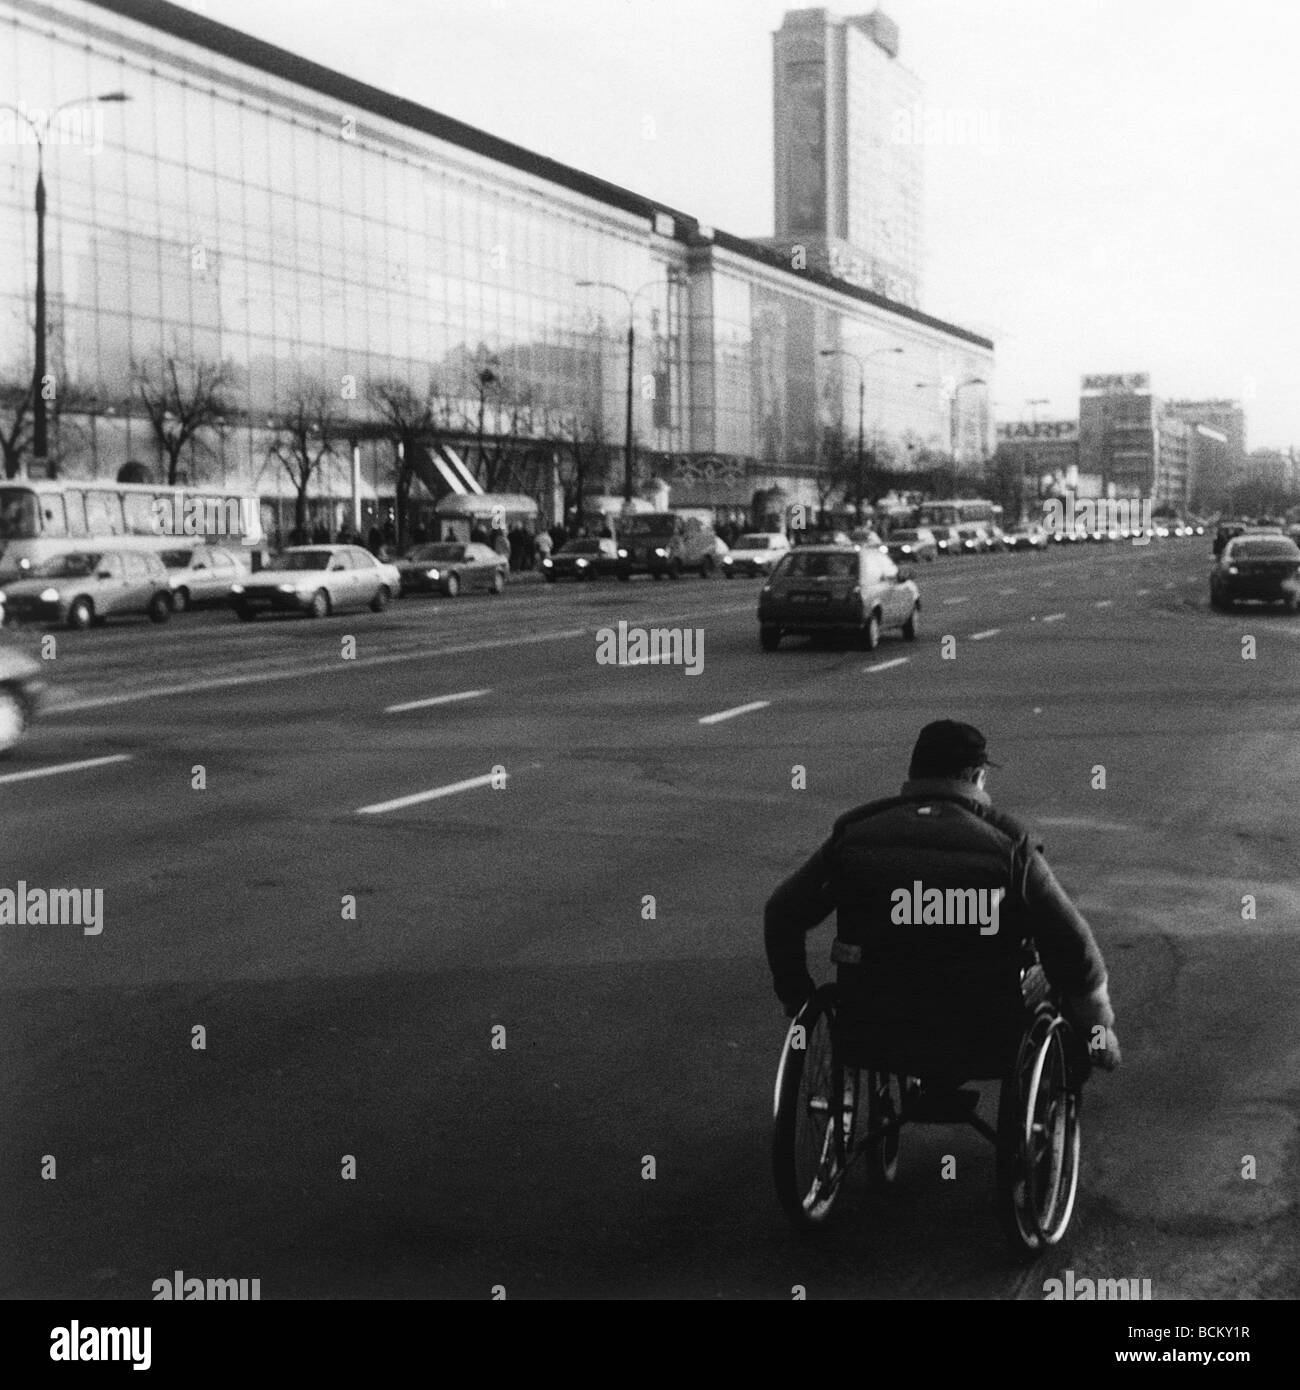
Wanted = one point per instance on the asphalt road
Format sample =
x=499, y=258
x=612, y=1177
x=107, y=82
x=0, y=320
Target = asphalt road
x=521, y=906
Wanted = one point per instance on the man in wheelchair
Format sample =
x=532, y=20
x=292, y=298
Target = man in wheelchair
x=945, y=911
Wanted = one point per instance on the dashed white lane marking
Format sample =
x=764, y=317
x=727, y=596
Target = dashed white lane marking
x=1053, y=617
x=1081, y=823
x=1103, y=603
x=298, y=673
x=436, y=700
x=889, y=665
x=416, y=798
x=988, y=632
x=56, y=768
x=1142, y=592
x=956, y=600
x=732, y=713
x=1008, y=591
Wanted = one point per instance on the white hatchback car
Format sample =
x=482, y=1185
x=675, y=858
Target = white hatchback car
x=756, y=553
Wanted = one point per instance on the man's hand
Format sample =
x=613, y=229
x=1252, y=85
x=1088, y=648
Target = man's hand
x=793, y=997
x=1103, y=1047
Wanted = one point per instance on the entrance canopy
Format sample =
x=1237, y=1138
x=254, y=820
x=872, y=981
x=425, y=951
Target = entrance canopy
x=483, y=506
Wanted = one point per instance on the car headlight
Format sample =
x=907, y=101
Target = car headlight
x=907, y=550
x=1232, y=569
x=437, y=574
x=288, y=588
x=49, y=596
x=547, y=564
x=24, y=564
x=582, y=564
x=236, y=588
x=622, y=554
x=728, y=560
x=662, y=554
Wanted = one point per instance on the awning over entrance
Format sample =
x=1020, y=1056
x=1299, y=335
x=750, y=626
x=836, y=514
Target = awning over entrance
x=458, y=466
x=485, y=505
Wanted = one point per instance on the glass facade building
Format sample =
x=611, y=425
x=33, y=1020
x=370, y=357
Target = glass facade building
x=249, y=208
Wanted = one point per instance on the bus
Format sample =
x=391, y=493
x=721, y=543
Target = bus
x=40, y=518
x=959, y=512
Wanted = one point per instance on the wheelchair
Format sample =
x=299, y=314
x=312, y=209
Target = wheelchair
x=834, y=1109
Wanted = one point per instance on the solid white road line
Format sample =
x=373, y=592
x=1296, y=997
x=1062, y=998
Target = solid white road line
x=886, y=665
x=956, y=600
x=57, y=768
x=1103, y=603
x=436, y=700
x=1007, y=591
x=732, y=713
x=989, y=632
x=450, y=790
x=1053, y=617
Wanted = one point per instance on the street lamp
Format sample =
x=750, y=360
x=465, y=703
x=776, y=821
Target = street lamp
x=952, y=415
x=631, y=297
x=1038, y=471
x=862, y=399
x=40, y=128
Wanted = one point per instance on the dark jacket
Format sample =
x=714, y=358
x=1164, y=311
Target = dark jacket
x=942, y=834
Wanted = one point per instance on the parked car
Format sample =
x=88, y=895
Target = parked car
x=827, y=535
x=664, y=543
x=82, y=587
x=581, y=558
x=862, y=535
x=910, y=543
x=22, y=689
x=202, y=574
x=1026, y=538
x=317, y=580
x=757, y=553
x=1259, y=566
x=855, y=590
x=451, y=568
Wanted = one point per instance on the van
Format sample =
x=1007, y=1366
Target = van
x=663, y=543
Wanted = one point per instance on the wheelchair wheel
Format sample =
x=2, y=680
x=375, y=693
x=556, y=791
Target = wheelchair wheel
x=1039, y=1138
x=815, y=1115
x=884, y=1126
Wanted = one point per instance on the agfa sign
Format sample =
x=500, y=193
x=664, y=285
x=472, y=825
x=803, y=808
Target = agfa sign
x=1118, y=383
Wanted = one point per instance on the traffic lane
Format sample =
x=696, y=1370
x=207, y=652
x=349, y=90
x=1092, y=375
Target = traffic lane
x=971, y=1261
x=673, y=948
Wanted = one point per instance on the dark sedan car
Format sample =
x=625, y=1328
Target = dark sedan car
x=583, y=558
x=912, y=543
x=1254, y=566
x=450, y=568
x=854, y=591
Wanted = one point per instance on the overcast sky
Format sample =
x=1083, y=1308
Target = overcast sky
x=1130, y=207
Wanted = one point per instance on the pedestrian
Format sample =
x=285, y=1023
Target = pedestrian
x=543, y=545
x=501, y=544
x=450, y=537
x=374, y=540
x=418, y=534
x=528, y=546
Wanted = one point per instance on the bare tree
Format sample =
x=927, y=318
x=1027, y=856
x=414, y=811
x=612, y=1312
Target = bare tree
x=498, y=454
x=415, y=420
x=183, y=398
x=584, y=453
x=16, y=424
x=304, y=439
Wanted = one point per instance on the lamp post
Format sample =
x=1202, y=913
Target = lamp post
x=631, y=296
x=40, y=128
x=862, y=399
x=952, y=415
